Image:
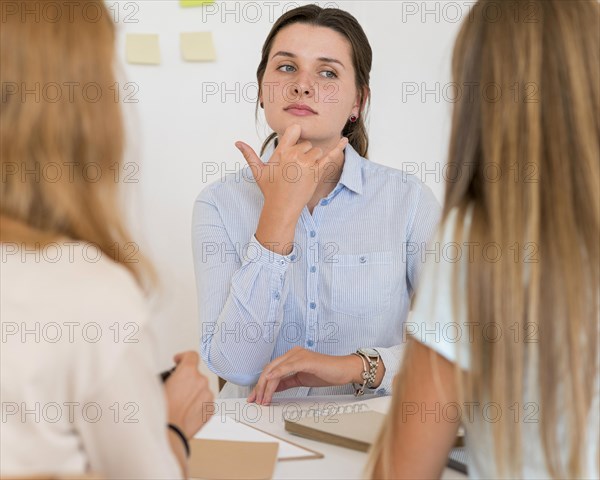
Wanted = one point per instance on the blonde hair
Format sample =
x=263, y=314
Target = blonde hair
x=546, y=203
x=61, y=128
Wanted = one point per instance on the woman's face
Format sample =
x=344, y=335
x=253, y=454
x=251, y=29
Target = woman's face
x=309, y=80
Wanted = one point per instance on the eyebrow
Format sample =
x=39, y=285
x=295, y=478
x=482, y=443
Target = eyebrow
x=321, y=59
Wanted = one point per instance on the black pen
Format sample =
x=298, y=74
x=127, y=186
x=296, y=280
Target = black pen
x=166, y=374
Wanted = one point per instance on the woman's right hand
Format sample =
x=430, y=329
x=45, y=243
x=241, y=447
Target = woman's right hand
x=291, y=176
x=288, y=182
x=189, y=399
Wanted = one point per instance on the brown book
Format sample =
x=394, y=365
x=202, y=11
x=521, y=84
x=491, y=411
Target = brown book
x=212, y=460
x=357, y=431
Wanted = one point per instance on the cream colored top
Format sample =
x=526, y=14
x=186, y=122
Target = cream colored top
x=435, y=324
x=79, y=386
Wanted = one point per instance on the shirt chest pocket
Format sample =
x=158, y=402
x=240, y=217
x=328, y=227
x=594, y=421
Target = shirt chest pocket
x=361, y=283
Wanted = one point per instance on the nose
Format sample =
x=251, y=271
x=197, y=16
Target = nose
x=302, y=90
x=302, y=87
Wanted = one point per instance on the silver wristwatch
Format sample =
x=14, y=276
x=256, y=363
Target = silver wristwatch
x=370, y=358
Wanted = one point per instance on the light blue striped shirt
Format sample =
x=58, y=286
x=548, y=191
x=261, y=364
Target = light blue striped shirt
x=347, y=283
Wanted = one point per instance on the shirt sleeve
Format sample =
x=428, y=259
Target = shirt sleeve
x=422, y=229
x=439, y=318
x=241, y=291
x=124, y=422
x=421, y=232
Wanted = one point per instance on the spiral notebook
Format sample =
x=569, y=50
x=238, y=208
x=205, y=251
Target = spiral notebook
x=359, y=428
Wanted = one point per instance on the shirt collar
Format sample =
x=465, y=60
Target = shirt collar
x=351, y=176
x=352, y=171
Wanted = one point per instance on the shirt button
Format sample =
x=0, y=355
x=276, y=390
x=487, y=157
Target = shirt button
x=282, y=262
x=313, y=305
x=313, y=234
x=277, y=296
x=293, y=257
x=313, y=269
x=325, y=202
x=363, y=259
x=380, y=391
x=310, y=343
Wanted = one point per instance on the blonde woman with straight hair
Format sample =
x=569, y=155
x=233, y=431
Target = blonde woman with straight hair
x=504, y=335
x=80, y=389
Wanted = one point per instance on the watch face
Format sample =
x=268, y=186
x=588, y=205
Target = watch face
x=369, y=352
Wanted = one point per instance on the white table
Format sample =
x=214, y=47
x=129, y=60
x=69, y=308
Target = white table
x=338, y=462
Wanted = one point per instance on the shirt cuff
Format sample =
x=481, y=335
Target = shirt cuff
x=256, y=253
x=392, y=364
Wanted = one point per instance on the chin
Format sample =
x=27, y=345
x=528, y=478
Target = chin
x=309, y=127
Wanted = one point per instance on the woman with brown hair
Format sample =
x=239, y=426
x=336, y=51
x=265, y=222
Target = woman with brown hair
x=80, y=389
x=306, y=261
x=504, y=335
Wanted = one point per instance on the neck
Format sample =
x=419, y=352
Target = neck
x=331, y=171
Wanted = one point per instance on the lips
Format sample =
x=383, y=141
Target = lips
x=300, y=109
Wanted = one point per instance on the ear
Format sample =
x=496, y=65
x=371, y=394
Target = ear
x=357, y=108
x=260, y=95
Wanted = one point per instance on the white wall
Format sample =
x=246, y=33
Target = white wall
x=178, y=125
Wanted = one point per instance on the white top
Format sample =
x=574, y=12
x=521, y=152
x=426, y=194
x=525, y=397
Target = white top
x=434, y=324
x=79, y=385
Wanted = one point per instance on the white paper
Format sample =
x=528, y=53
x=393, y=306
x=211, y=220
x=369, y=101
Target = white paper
x=222, y=427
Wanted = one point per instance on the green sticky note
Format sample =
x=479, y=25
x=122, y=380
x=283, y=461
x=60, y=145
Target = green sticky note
x=197, y=47
x=142, y=49
x=194, y=3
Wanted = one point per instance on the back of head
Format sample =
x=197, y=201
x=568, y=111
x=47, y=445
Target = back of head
x=61, y=130
x=524, y=156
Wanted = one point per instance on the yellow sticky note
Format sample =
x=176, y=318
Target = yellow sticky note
x=142, y=48
x=197, y=47
x=194, y=3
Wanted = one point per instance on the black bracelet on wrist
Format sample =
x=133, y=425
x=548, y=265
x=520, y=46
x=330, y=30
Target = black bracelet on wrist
x=186, y=444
